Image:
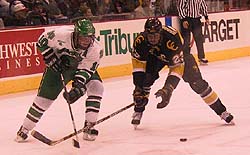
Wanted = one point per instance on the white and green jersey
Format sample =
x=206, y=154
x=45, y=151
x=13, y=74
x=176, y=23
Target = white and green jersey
x=80, y=67
x=60, y=40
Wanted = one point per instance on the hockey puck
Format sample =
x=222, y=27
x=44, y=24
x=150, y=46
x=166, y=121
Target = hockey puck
x=183, y=139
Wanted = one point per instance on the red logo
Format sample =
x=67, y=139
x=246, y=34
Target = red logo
x=18, y=53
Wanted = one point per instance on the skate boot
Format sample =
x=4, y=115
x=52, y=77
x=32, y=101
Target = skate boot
x=90, y=133
x=22, y=135
x=227, y=117
x=203, y=61
x=136, y=119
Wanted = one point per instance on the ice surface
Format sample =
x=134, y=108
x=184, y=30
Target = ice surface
x=187, y=116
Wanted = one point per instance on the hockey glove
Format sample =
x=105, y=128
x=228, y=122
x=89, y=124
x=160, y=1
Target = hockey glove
x=75, y=93
x=140, y=97
x=165, y=94
x=65, y=63
x=52, y=61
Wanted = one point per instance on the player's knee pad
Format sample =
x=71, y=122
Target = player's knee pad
x=95, y=88
x=199, y=86
x=191, y=70
x=150, y=79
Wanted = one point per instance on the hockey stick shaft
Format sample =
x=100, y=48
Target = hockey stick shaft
x=45, y=140
x=191, y=43
x=98, y=122
x=75, y=142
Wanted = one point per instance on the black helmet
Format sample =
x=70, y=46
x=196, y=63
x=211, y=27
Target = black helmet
x=152, y=25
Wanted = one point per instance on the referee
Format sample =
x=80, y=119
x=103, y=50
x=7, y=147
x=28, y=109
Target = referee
x=190, y=12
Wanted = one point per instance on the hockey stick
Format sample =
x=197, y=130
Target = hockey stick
x=191, y=43
x=75, y=141
x=50, y=142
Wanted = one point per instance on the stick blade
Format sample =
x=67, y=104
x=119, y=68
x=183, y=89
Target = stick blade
x=41, y=137
x=76, y=143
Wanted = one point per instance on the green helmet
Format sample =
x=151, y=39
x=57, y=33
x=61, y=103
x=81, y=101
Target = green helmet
x=84, y=27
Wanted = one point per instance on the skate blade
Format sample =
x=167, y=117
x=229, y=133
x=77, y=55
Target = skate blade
x=19, y=139
x=203, y=64
x=135, y=127
x=88, y=137
x=232, y=123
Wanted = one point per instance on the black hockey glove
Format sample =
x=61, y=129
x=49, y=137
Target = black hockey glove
x=165, y=93
x=52, y=61
x=75, y=93
x=140, y=97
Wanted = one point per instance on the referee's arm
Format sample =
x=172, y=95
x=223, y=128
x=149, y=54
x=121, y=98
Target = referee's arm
x=204, y=9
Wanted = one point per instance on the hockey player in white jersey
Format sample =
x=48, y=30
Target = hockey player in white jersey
x=74, y=53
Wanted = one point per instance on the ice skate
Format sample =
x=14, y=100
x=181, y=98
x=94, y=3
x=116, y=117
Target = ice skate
x=136, y=119
x=203, y=61
x=22, y=135
x=91, y=133
x=227, y=117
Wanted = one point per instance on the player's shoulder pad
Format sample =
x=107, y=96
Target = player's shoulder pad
x=61, y=32
x=96, y=51
x=170, y=29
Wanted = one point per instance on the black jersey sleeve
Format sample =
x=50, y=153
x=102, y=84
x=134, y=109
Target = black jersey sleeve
x=139, y=48
x=138, y=60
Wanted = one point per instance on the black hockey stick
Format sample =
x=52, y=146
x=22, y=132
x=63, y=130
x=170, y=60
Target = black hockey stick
x=191, y=43
x=50, y=142
x=75, y=141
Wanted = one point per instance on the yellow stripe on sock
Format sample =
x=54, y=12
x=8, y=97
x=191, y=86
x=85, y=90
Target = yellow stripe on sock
x=211, y=98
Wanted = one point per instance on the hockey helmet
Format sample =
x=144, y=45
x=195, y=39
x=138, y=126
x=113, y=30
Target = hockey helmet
x=153, y=25
x=84, y=33
x=84, y=27
x=152, y=29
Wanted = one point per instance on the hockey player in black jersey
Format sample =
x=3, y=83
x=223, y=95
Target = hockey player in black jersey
x=158, y=46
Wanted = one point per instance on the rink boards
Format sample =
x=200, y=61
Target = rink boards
x=21, y=65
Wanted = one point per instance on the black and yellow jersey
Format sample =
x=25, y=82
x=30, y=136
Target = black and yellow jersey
x=148, y=60
x=167, y=52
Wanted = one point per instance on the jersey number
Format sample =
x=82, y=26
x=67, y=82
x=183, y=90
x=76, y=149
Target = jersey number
x=44, y=41
x=177, y=59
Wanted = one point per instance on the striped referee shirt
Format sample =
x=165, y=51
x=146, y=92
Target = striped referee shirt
x=192, y=8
